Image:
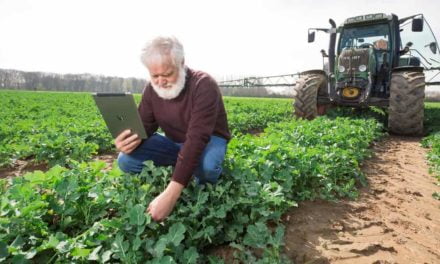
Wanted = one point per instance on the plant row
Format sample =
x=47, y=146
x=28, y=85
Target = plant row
x=85, y=214
x=53, y=128
x=432, y=141
x=58, y=128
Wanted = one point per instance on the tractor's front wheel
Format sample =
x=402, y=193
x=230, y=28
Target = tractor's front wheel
x=406, y=111
x=306, y=93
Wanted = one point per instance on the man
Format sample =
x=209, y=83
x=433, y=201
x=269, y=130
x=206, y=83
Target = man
x=187, y=105
x=381, y=44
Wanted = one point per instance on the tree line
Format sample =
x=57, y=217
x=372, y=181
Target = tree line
x=42, y=81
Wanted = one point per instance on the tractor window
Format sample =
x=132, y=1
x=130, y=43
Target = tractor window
x=376, y=36
x=422, y=47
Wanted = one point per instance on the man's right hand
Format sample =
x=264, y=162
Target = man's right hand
x=126, y=142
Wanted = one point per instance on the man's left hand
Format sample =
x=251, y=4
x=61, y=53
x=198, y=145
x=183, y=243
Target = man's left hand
x=164, y=203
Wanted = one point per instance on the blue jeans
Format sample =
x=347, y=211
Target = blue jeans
x=163, y=152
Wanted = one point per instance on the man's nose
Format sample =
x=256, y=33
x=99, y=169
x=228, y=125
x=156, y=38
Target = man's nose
x=162, y=81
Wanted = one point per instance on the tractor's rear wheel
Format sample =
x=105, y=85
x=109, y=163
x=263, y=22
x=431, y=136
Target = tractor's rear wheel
x=306, y=93
x=407, y=93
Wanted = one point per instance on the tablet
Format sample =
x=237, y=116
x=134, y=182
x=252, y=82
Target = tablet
x=120, y=112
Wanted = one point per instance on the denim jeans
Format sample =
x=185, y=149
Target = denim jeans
x=163, y=152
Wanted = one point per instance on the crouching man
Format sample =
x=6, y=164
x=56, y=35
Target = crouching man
x=187, y=105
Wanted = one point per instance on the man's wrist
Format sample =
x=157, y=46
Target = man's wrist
x=174, y=189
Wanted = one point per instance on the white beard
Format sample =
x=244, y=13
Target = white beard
x=171, y=91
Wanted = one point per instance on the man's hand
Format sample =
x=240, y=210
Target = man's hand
x=126, y=142
x=164, y=203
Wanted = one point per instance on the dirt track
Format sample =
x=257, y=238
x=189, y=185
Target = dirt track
x=395, y=219
x=21, y=167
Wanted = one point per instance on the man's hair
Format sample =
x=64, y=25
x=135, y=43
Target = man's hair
x=158, y=49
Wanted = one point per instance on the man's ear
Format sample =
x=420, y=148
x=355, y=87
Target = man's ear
x=183, y=62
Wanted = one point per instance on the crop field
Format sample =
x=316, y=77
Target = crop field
x=432, y=141
x=57, y=128
x=78, y=212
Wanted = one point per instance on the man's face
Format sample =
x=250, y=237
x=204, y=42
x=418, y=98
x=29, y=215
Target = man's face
x=164, y=74
x=167, y=79
x=381, y=44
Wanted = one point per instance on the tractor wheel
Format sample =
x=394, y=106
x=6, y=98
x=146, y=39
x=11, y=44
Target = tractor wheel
x=306, y=92
x=407, y=93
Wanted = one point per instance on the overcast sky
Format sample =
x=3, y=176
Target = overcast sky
x=222, y=37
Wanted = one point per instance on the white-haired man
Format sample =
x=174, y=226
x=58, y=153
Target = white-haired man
x=187, y=105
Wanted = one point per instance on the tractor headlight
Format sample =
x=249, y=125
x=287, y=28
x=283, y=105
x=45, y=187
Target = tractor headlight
x=362, y=67
x=341, y=68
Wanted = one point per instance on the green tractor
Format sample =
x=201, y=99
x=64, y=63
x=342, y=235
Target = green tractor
x=367, y=65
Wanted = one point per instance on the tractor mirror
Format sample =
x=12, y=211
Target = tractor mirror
x=417, y=25
x=311, y=36
x=433, y=47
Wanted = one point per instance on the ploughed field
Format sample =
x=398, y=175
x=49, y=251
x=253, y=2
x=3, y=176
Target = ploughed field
x=79, y=210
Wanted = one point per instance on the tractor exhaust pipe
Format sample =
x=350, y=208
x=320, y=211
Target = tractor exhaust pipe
x=331, y=48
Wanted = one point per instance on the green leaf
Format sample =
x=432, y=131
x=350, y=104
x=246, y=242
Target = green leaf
x=19, y=259
x=3, y=250
x=206, y=233
x=94, y=255
x=137, y=242
x=278, y=238
x=32, y=207
x=215, y=260
x=97, y=165
x=190, y=255
x=31, y=253
x=106, y=256
x=163, y=260
x=81, y=252
x=220, y=213
x=120, y=246
x=202, y=197
x=18, y=242
x=176, y=233
x=52, y=242
x=160, y=247
x=141, y=229
x=137, y=215
x=256, y=235
x=64, y=247
x=36, y=177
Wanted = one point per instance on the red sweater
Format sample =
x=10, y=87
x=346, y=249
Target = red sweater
x=191, y=118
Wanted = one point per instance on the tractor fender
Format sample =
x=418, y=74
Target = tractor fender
x=408, y=68
x=313, y=72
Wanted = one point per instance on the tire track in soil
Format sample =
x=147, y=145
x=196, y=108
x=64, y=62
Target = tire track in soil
x=21, y=167
x=394, y=220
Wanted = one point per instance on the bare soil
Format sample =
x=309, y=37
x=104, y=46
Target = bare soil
x=108, y=158
x=21, y=167
x=395, y=219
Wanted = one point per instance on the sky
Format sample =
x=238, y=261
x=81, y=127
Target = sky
x=226, y=38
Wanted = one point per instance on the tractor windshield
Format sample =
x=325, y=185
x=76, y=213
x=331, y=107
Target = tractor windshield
x=376, y=36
